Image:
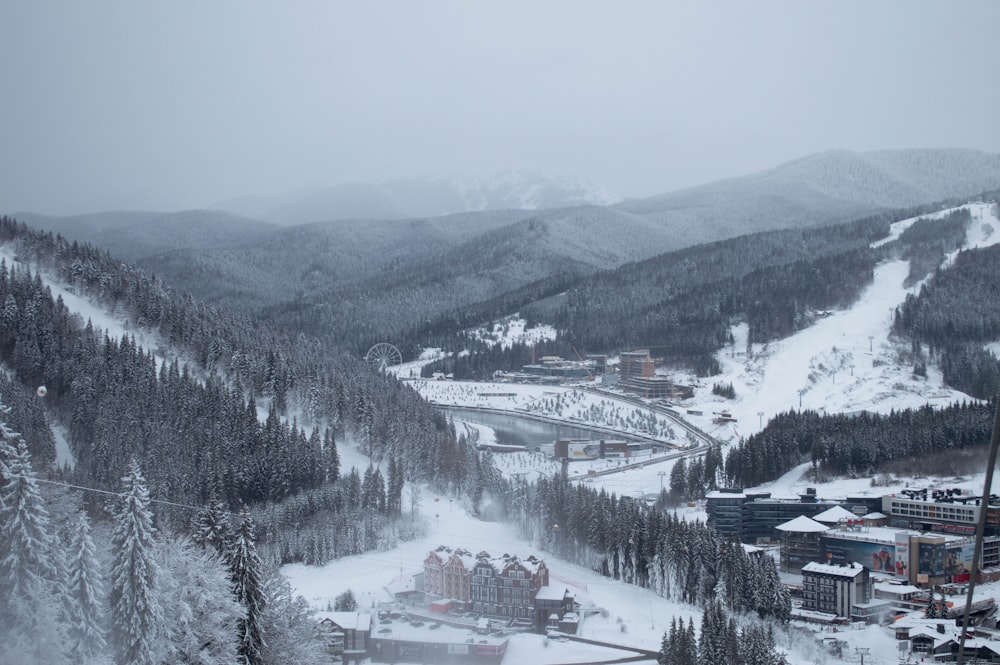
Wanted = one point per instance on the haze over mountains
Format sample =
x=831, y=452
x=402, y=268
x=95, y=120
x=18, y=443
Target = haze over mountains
x=437, y=264
x=422, y=197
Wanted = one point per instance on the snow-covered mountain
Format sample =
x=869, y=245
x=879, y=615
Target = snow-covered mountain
x=824, y=188
x=423, y=197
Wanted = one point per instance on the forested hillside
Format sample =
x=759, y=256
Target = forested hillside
x=362, y=282
x=955, y=314
x=195, y=424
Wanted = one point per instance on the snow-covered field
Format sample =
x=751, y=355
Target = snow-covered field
x=579, y=405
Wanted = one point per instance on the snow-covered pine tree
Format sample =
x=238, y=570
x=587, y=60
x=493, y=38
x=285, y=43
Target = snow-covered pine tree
x=757, y=645
x=666, y=643
x=212, y=529
x=200, y=627
x=84, y=595
x=30, y=580
x=345, y=602
x=135, y=608
x=246, y=575
x=292, y=638
x=27, y=547
x=331, y=459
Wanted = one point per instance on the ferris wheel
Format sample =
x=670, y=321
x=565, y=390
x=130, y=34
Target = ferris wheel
x=382, y=356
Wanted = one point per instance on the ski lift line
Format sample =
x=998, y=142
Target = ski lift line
x=121, y=495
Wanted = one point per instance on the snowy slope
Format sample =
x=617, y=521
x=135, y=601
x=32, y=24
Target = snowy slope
x=845, y=362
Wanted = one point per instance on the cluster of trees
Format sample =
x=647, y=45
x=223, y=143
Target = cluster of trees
x=161, y=599
x=691, y=479
x=724, y=390
x=927, y=240
x=417, y=303
x=622, y=539
x=276, y=367
x=855, y=444
x=721, y=641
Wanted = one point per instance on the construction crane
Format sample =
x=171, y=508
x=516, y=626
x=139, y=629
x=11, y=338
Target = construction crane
x=590, y=377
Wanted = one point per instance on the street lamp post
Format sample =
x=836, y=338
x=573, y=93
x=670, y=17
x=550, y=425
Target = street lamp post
x=661, y=474
x=801, y=390
x=870, y=339
x=760, y=419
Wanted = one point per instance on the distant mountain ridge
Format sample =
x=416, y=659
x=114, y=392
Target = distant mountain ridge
x=357, y=272
x=823, y=188
x=422, y=197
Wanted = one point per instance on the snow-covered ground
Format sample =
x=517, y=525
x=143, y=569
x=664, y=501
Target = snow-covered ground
x=371, y=577
x=579, y=405
x=634, y=617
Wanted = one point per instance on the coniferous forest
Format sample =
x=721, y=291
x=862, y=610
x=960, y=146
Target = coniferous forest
x=855, y=445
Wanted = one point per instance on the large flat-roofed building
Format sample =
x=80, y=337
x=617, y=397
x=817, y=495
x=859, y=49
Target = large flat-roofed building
x=942, y=511
x=652, y=387
x=754, y=516
x=904, y=554
x=635, y=364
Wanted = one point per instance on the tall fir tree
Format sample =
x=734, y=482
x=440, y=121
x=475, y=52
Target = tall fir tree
x=85, y=595
x=212, y=529
x=246, y=575
x=135, y=610
x=26, y=566
x=31, y=582
x=200, y=628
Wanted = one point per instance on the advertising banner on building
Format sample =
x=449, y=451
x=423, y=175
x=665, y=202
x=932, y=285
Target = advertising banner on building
x=873, y=556
x=902, y=562
x=932, y=558
x=958, y=560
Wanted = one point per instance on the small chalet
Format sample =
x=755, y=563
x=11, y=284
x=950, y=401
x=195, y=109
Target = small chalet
x=554, y=609
x=347, y=634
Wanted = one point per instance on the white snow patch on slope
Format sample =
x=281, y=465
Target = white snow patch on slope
x=64, y=454
x=514, y=330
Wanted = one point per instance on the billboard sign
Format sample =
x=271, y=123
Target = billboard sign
x=901, y=565
x=931, y=558
x=873, y=556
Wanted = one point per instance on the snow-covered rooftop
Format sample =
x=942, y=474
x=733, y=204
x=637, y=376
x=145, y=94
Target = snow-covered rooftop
x=850, y=570
x=347, y=620
x=802, y=524
x=834, y=515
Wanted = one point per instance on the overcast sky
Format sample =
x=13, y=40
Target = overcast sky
x=171, y=105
